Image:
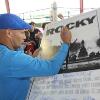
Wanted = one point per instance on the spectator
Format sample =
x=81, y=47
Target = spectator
x=34, y=40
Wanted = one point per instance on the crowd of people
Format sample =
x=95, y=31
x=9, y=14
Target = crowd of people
x=33, y=40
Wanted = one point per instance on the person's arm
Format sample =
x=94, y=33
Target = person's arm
x=23, y=65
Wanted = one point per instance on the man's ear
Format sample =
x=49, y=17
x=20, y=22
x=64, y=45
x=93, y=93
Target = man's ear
x=9, y=33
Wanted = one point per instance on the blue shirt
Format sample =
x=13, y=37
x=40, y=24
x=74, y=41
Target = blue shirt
x=16, y=69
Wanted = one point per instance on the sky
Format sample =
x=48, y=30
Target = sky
x=43, y=7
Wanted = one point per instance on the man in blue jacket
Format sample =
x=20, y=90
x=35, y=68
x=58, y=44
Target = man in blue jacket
x=16, y=67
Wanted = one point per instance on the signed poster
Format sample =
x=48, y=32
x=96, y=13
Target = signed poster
x=85, y=45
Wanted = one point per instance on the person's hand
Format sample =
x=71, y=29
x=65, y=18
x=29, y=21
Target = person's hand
x=66, y=35
x=36, y=52
x=29, y=52
x=38, y=35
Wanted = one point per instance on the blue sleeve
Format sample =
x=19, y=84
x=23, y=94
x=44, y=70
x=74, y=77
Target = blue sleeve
x=23, y=65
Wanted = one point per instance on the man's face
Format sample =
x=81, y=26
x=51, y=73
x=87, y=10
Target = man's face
x=33, y=26
x=17, y=38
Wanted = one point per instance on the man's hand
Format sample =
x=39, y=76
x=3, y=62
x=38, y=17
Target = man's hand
x=66, y=35
x=38, y=35
x=36, y=52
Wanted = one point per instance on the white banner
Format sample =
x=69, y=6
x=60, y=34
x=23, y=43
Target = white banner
x=83, y=27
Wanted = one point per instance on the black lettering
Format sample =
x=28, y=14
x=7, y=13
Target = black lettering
x=78, y=23
x=50, y=31
x=70, y=25
x=58, y=29
x=90, y=20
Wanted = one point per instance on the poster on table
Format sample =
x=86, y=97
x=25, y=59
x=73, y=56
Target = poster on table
x=84, y=57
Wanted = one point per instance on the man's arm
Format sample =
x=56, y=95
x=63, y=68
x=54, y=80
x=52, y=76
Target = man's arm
x=27, y=66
